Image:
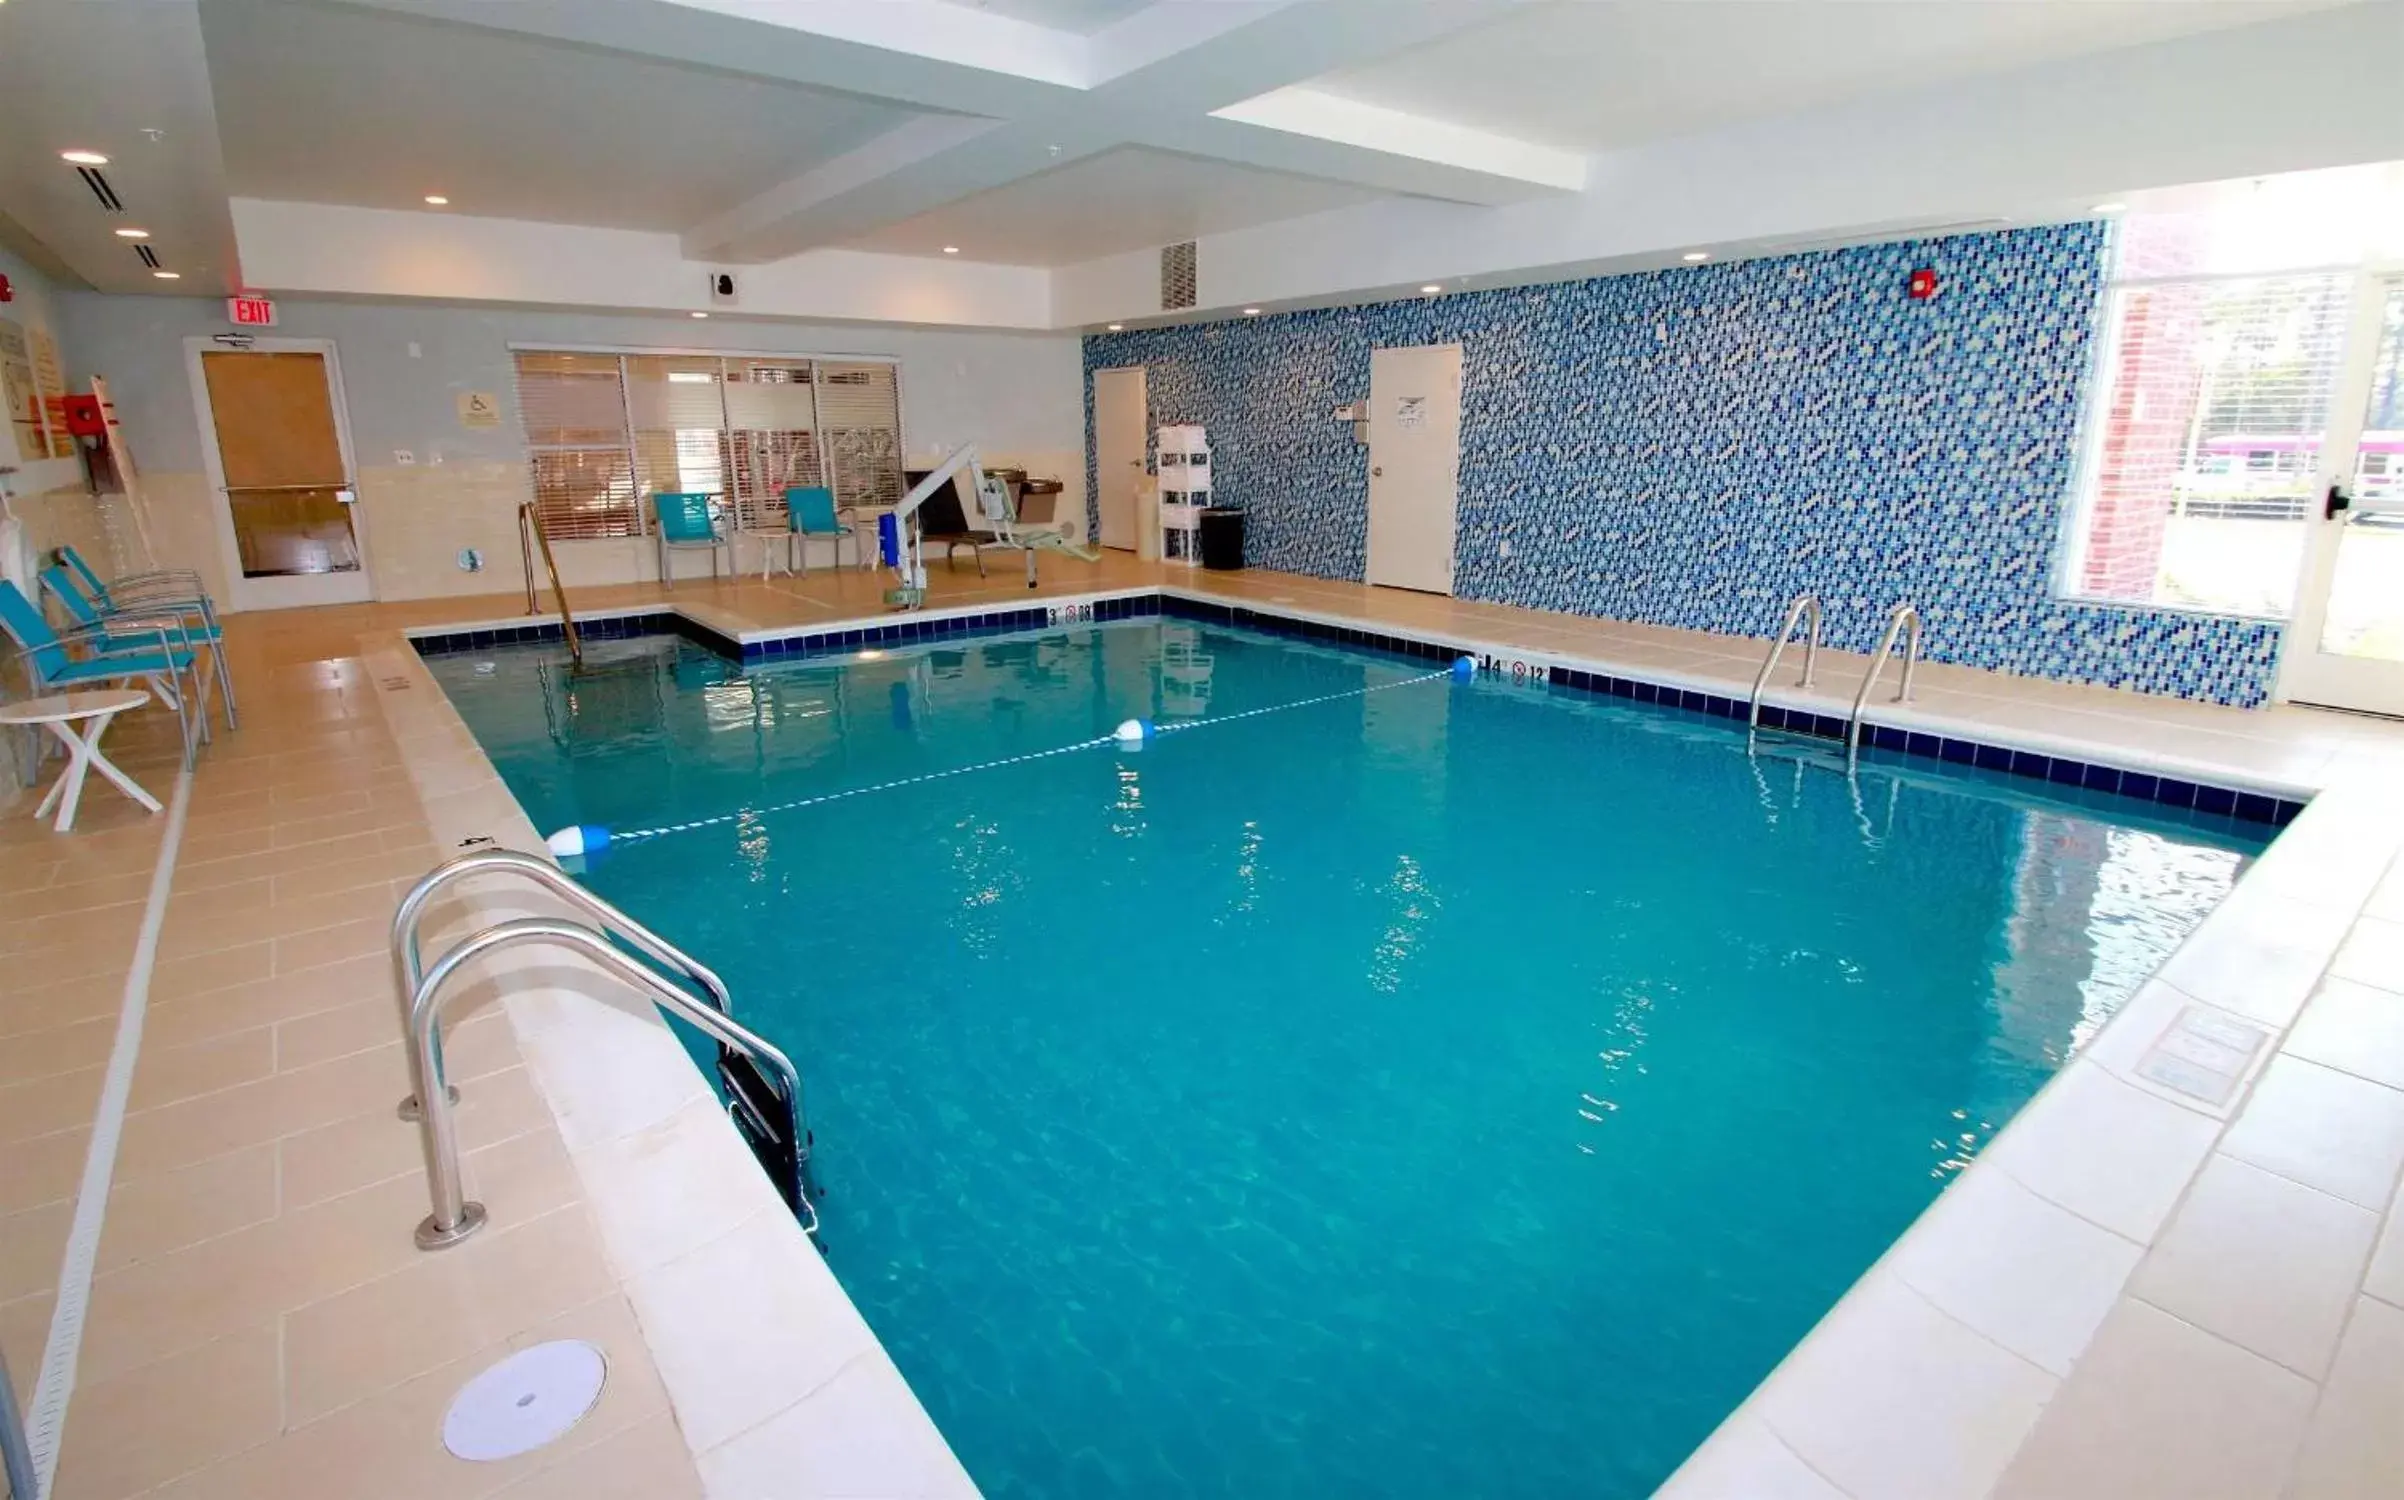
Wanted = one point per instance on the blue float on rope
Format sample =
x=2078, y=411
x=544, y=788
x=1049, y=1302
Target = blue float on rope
x=1134, y=732
x=582, y=839
x=1464, y=668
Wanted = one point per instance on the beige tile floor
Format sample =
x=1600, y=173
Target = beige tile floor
x=260, y=1324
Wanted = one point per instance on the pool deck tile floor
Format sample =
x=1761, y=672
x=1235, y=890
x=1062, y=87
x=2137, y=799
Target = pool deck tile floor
x=2145, y=1292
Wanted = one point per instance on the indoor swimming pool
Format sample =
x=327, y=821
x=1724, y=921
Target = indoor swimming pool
x=1430, y=1088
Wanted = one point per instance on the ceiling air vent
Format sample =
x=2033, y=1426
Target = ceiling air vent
x=101, y=189
x=1176, y=276
x=149, y=256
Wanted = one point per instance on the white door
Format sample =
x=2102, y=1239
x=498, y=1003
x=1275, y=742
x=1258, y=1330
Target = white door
x=278, y=444
x=1414, y=465
x=2345, y=645
x=1119, y=423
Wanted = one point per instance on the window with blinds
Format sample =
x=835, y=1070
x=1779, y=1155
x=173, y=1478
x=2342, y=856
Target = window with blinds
x=574, y=410
x=2211, y=402
x=604, y=432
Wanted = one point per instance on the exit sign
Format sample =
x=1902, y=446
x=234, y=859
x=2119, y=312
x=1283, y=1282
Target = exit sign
x=250, y=312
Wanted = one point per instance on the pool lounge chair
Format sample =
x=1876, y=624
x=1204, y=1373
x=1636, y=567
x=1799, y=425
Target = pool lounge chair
x=147, y=653
x=189, y=622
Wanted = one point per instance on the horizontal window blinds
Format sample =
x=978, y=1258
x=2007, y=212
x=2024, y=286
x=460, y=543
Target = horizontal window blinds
x=679, y=416
x=606, y=431
x=574, y=411
x=772, y=435
x=2215, y=401
x=859, y=409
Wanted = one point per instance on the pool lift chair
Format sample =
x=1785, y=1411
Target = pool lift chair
x=901, y=538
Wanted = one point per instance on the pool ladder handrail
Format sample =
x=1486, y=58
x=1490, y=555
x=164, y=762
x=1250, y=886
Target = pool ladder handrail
x=430, y=1102
x=1802, y=604
x=1906, y=616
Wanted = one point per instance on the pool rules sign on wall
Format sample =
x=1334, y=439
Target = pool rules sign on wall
x=250, y=312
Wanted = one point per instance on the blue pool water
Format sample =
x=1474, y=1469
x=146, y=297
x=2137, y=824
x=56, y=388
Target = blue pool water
x=1446, y=1089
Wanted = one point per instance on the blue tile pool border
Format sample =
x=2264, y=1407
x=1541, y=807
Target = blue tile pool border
x=2243, y=805
x=594, y=628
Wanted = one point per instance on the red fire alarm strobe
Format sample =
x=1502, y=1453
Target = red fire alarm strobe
x=1923, y=285
x=7, y=293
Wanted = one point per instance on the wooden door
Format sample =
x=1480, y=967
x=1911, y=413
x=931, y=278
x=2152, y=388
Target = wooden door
x=283, y=470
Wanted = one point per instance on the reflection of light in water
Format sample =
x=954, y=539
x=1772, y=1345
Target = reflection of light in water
x=1628, y=1032
x=1958, y=1151
x=1127, y=813
x=751, y=846
x=2095, y=910
x=732, y=704
x=1247, y=865
x=2149, y=894
x=989, y=876
x=1414, y=904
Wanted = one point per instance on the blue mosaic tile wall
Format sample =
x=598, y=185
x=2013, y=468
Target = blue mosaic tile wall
x=1695, y=447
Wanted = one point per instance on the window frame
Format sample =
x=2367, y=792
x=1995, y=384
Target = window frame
x=640, y=523
x=2072, y=536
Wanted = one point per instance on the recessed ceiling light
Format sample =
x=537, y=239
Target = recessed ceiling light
x=438, y=200
x=1251, y=312
x=1118, y=327
x=701, y=315
x=1693, y=256
x=133, y=234
x=2110, y=208
x=168, y=275
x=84, y=158
x=951, y=249
x=1432, y=288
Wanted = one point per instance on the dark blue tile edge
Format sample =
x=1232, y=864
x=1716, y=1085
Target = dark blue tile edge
x=610, y=628
x=2242, y=806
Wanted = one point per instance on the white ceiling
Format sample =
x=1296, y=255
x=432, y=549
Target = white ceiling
x=1591, y=75
x=326, y=105
x=1128, y=199
x=96, y=78
x=1084, y=17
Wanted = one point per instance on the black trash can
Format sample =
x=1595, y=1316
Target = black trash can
x=1222, y=534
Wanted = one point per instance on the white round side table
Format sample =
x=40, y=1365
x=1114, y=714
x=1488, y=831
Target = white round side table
x=60, y=713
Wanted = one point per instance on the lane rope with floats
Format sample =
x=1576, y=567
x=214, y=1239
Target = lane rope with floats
x=589, y=839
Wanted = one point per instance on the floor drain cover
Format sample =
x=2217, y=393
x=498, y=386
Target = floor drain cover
x=529, y=1399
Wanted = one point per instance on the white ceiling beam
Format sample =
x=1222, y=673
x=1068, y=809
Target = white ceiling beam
x=722, y=38
x=1287, y=118
x=1156, y=79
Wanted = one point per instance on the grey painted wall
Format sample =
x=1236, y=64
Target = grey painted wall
x=1016, y=392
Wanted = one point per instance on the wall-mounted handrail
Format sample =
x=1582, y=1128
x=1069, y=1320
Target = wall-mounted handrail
x=530, y=524
x=1905, y=618
x=1804, y=604
x=454, y=1218
x=408, y=971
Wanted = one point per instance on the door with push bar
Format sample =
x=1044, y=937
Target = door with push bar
x=280, y=458
x=2345, y=645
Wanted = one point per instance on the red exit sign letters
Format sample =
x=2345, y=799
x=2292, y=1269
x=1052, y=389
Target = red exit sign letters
x=250, y=312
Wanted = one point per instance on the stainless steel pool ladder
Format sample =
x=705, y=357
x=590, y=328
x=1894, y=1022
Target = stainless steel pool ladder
x=1905, y=621
x=1804, y=604
x=763, y=1088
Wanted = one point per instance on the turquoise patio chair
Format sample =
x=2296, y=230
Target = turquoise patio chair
x=688, y=521
x=189, y=623
x=129, y=653
x=176, y=585
x=810, y=513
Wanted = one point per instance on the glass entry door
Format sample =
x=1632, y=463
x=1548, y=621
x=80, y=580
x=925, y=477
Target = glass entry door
x=2345, y=646
x=283, y=471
